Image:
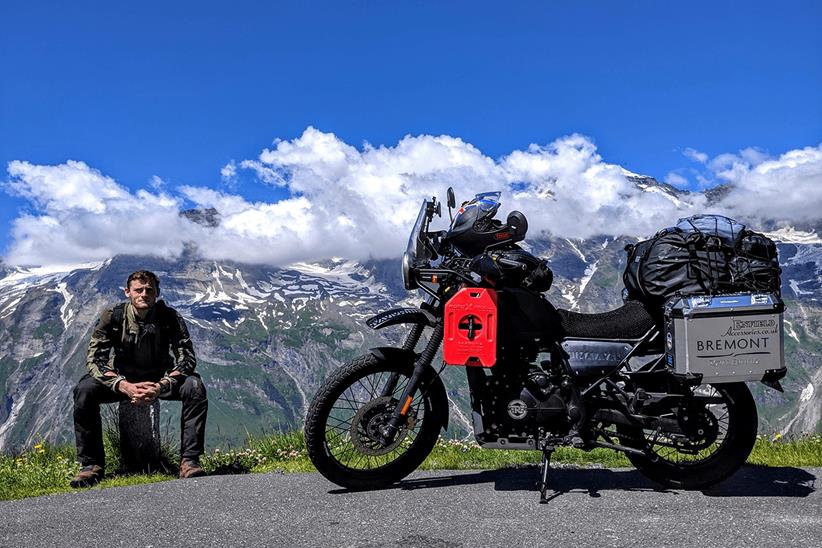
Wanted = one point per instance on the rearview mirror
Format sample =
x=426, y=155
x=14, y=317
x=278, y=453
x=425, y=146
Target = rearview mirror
x=451, y=201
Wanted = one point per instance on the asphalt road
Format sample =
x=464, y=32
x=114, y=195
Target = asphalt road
x=590, y=507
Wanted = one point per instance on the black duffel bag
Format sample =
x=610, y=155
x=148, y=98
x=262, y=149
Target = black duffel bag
x=702, y=255
x=755, y=266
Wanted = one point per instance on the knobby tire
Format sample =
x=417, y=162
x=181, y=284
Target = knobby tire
x=728, y=456
x=344, y=462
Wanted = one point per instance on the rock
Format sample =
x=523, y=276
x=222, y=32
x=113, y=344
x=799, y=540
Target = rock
x=140, y=437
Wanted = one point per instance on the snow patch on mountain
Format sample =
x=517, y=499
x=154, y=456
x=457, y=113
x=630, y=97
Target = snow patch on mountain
x=568, y=295
x=8, y=309
x=589, y=273
x=807, y=416
x=66, y=314
x=807, y=393
x=577, y=251
x=461, y=418
x=789, y=330
x=661, y=191
x=260, y=315
x=632, y=175
x=17, y=406
x=790, y=235
x=19, y=280
x=22, y=277
x=796, y=290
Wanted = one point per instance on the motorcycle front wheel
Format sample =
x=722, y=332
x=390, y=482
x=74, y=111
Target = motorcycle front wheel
x=730, y=425
x=343, y=422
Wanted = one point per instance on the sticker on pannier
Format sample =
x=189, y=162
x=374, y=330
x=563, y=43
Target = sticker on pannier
x=470, y=335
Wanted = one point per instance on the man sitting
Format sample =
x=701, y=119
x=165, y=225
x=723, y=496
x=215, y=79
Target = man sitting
x=153, y=357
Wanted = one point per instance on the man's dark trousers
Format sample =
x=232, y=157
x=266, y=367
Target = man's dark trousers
x=88, y=430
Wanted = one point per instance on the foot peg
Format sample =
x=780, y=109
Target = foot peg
x=574, y=439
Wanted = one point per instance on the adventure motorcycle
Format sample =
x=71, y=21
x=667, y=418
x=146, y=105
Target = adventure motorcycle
x=538, y=377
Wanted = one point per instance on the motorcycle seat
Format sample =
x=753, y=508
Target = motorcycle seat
x=631, y=321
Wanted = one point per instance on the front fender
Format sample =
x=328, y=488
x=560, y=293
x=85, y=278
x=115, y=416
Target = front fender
x=401, y=315
x=431, y=379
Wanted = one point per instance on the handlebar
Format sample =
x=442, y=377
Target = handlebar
x=515, y=264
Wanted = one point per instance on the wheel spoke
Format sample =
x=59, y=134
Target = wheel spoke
x=358, y=410
x=678, y=450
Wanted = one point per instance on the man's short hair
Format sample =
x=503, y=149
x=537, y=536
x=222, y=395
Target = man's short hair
x=145, y=276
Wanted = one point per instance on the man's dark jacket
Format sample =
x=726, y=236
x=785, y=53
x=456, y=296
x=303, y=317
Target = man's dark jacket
x=145, y=349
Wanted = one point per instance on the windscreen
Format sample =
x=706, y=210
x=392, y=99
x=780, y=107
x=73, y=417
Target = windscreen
x=416, y=249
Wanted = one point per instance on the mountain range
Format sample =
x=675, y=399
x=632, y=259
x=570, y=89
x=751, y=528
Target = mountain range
x=266, y=336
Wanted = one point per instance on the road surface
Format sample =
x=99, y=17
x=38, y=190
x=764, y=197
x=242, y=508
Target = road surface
x=590, y=507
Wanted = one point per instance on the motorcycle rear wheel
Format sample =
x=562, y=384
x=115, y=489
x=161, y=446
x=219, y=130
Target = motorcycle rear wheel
x=736, y=422
x=343, y=420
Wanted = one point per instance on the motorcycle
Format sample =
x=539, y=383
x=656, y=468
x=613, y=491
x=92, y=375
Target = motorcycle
x=539, y=377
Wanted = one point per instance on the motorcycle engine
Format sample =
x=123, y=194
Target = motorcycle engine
x=540, y=402
x=518, y=405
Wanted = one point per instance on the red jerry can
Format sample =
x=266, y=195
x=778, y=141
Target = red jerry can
x=471, y=328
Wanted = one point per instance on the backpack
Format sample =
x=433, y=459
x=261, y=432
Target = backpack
x=703, y=254
x=166, y=318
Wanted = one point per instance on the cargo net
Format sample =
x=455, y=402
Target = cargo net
x=739, y=259
x=703, y=254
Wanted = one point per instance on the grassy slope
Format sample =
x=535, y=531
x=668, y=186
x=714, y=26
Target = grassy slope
x=44, y=469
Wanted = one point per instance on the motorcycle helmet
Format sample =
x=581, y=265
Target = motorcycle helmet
x=474, y=228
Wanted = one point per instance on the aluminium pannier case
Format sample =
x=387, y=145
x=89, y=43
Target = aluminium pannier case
x=726, y=338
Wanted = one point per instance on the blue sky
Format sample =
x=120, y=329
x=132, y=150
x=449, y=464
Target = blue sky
x=179, y=90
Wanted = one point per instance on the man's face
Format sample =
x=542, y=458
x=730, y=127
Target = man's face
x=142, y=295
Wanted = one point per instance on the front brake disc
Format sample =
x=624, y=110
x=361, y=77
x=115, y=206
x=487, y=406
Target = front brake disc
x=367, y=423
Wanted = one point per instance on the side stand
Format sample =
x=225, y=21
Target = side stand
x=546, y=465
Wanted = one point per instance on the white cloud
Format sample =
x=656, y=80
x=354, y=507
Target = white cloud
x=73, y=185
x=229, y=172
x=787, y=188
x=360, y=203
x=83, y=215
x=695, y=155
x=675, y=179
x=572, y=192
x=764, y=188
x=157, y=183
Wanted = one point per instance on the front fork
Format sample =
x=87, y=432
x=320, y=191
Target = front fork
x=399, y=417
x=410, y=343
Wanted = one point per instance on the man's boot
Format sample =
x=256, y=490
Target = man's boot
x=190, y=468
x=88, y=476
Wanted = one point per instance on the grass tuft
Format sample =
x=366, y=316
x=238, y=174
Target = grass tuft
x=47, y=469
x=41, y=470
x=787, y=451
x=452, y=454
